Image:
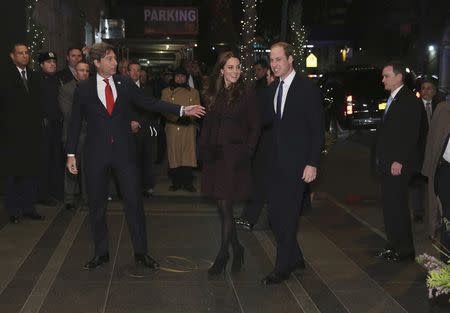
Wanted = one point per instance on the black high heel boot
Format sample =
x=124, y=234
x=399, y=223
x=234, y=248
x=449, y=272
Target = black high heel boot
x=220, y=263
x=238, y=259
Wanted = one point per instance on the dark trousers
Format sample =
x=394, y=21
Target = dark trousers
x=285, y=201
x=51, y=180
x=397, y=220
x=145, y=145
x=443, y=192
x=97, y=179
x=20, y=194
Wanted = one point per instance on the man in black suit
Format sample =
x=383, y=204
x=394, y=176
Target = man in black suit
x=144, y=126
x=67, y=74
x=105, y=101
x=20, y=135
x=397, y=158
x=298, y=136
x=418, y=182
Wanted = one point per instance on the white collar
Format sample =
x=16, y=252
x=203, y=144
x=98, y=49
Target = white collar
x=395, y=92
x=288, y=80
x=101, y=78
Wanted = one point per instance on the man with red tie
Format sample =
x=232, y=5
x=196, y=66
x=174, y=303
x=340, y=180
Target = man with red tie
x=106, y=101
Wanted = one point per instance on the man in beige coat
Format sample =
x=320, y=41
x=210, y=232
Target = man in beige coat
x=437, y=168
x=181, y=133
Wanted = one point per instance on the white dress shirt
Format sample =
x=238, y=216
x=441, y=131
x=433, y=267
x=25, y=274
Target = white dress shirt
x=101, y=88
x=191, y=81
x=20, y=72
x=287, y=83
x=446, y=154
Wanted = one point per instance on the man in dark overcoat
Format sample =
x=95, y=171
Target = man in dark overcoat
x=20, y=135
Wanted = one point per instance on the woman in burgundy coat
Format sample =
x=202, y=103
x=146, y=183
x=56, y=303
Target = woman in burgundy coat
x=229, y=136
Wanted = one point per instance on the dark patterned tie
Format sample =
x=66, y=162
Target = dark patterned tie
x=24, y=78
x=279, y=99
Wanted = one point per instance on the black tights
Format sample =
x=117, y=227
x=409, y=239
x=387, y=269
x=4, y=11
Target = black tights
x=229, y=235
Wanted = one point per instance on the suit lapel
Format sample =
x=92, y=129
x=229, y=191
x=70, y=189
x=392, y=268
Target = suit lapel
x=96, y=96
x=394, y=103
x=119, y=85
x=289, y=96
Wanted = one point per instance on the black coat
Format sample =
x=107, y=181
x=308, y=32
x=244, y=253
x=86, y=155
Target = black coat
x=65, y=75
x=398, y=133
x=104, y=130
x=49, y=88
x=20, y=124
x=298, y=138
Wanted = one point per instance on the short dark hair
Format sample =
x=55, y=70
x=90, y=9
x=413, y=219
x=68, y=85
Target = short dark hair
x=74, y=48
x=262, y=62
x=288, y=49
x=99, y=51
x=15, y=45
x=132, y=62
x=429, y=80
x=398, y=68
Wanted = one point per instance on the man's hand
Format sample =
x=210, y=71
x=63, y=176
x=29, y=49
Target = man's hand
x=72, y=165
x=194, y=110
x=135, y=126
x=309, y=173
x=396, y=169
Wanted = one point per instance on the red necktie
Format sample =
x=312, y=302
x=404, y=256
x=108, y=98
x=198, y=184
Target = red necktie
x=109, y=97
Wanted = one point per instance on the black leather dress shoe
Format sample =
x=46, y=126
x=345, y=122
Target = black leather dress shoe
x=34, y=216
x=384, y=254
x=174, y=187
x=274, y=278
x=69, y=206
x=243, y=223
x=96, y=262
x=190, y=188
x=418, y=219
x=14, y=219
x=397, y=258
x=147, y=261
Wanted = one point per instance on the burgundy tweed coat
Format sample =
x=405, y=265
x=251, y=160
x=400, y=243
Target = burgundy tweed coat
x=232, y=131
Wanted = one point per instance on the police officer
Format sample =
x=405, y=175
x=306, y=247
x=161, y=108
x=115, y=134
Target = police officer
x=51, y=182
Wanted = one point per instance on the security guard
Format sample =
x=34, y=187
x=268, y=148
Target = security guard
x=51, y=182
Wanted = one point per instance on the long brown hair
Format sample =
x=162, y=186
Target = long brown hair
x=217, y=83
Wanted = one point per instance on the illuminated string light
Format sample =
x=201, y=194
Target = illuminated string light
x=299, y=36
x=35, y=36
x=248, y=30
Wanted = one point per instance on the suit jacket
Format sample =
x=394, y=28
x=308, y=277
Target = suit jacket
x=298, y=137
x=103, y=130
x=20, y=123
x=398, y=133
x=65, y=75
x=145, y=118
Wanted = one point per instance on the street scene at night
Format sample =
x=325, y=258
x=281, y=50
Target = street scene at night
x=242, y=156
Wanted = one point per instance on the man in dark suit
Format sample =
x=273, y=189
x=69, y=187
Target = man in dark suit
x=397, y=158
x=144, y=126
x=298, y=136
x=20, y=135
x=418, y=182
x=73, y=185
x=105, y=101
x=67, y=74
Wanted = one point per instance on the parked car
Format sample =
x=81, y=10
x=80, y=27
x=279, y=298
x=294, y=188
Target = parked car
x=353, y=98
